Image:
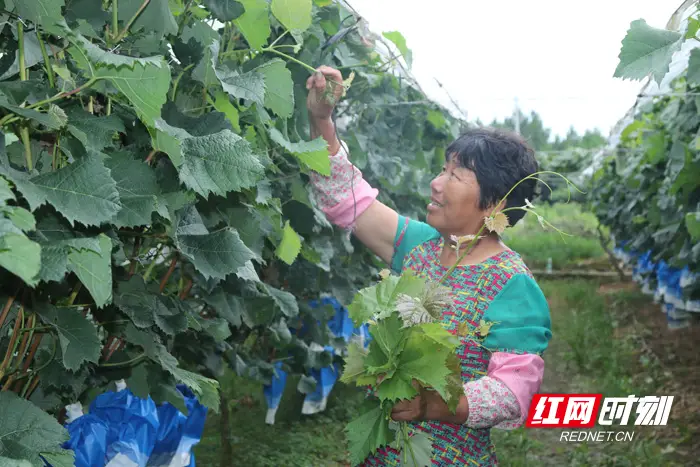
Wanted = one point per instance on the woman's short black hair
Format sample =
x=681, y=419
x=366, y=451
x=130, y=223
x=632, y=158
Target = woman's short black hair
x=500, y=159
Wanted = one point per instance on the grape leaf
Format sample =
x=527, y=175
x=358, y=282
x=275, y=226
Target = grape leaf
x=226, y=305
x=396, y=387
x=43, y=12
x=20, y=217
x=49, y=120
x=83, y=191
x=96, y=133
x=279, y=87
x=250, y=85
x=219, y=330
x=424, y=360
x=203, y=125
x=146, y=87
x=65, y=458
x=290, y=246
x=437, y=333
x=20, y=256
x=26, y=431
x=138, y=190
x=354, y=363
x=294, y=15
x=314, y=154
x=5, y=191
x=218, y=164
x=400, y=42
x=692, y=223
x=420, y=451
x=368, y=432
x=136, y=301
x=94, y=270
x=388, y=336
x=224, y=10
x=167, y=139
x=77, y=336
x=205, y=388
x=255, y=23
x=693, y=73
x=200, y=32
x=156, y=17
x=7, y=462
x=204, y=71
x=171, y=315
x=378, y=300
x=223, y=104
x=285, y=301
x=646, y=50
x=217, y=254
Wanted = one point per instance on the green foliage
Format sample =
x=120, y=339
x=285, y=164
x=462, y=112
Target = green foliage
x=156, y=217
x=406, y=353
x=646, y=189
x=26, y=432
x=647, y=50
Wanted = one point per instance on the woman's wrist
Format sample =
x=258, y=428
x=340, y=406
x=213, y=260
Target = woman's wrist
x=437, y=410
x=324, y=127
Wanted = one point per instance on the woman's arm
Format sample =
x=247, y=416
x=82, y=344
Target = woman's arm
x=346, y=198
x=518, y=338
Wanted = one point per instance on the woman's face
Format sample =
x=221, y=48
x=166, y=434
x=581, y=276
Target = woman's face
x=454, y=207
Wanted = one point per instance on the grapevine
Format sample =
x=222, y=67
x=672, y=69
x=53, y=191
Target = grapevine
x=156, y=221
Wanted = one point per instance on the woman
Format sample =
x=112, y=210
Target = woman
x=491, y=283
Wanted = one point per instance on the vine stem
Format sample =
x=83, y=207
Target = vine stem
x=20, y=40
x=166, y=277
x=186, y=290
x=74, y=293
x=14, y=341
x=6, y=310
x=177, y=81
x=134, y=256
x=24, y=130
x=115, y=18
x=278, y=38
x=290, y=58
x=184, y=17
x=407, y=442
x=127, y=363
x=47, y=60
x=150, y=156
x=149, y=271
x=131, y=21
x=12, y=118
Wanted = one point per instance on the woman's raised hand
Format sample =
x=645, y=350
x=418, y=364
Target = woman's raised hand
x=325, y=89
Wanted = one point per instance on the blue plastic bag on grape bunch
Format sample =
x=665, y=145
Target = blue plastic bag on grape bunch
x=178, y=433
x=132, y=425
x=273, y=393
x=88, y=437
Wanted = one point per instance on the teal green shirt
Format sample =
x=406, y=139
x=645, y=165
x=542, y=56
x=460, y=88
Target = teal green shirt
x=517, y=305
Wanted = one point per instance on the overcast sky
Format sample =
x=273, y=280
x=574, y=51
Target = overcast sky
x=556, y=56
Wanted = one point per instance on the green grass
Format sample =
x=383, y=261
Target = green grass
x=536, y=244
x=294, y=439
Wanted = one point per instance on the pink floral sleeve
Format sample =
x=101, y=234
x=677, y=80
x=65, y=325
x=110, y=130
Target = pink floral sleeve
x=491, y=403
x=345, y=194
x=501, y=399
